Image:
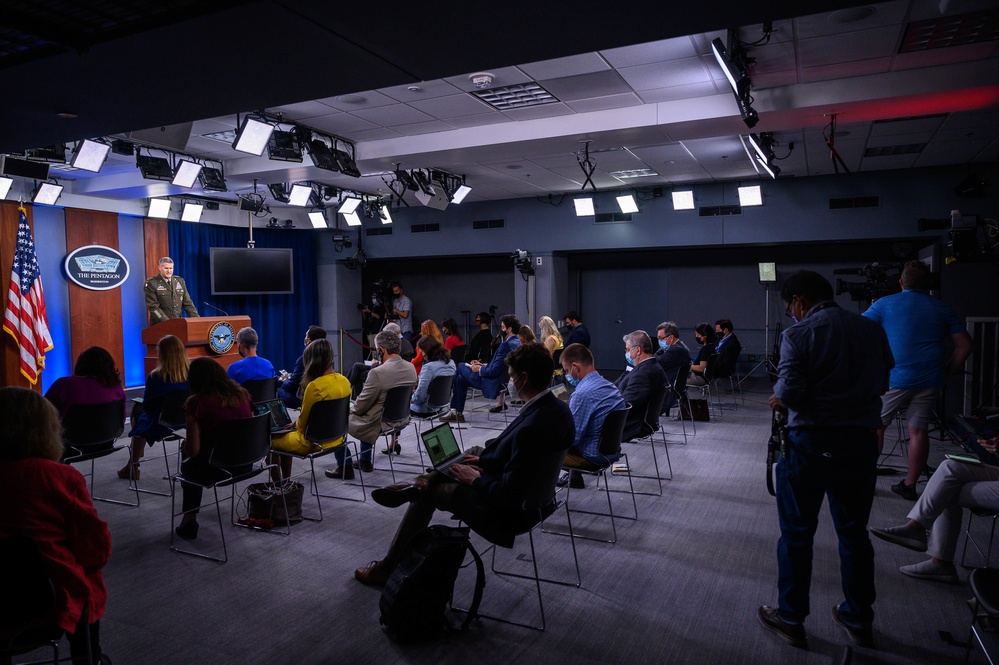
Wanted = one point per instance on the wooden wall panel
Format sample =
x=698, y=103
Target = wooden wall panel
x=10, y=359
x=95, y=316
x=156, y=243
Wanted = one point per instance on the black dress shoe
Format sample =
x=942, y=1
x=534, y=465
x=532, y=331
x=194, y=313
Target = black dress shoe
x=576, y=480
x=861, y=636
x=188, y=531
x=393, y=496
x=498, y=409
x=341, y=473
x=792, y=633
x=365, y=466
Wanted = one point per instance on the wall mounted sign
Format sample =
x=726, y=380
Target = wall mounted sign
x=96, y=267
x=221, y=337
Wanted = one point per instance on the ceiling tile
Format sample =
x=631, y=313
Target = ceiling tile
x=926, y=126
x=852, y=19
x=848, y=47
x=303, y=110
x=845, y=70
x=503, y=76
x=360, y=100
x=375, y=134
x=392, y=116
x=888, y=162
x=341, y=124
x=428, y=127
x=534, y=112
x=604, y=103
x=660, y=75
x=679, y=92
x=481, y=120
x=452, y=106
x=586, y=86
x=665, y=155
x=575, y=65
x=644, y=54
x=425, y=90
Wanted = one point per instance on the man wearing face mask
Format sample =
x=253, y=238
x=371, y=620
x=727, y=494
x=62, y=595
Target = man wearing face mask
x=593, y=398
x=485, y=377
x=672, y=355
x=638, y=385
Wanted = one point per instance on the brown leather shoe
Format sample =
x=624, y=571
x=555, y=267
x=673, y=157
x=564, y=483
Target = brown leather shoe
x=123, y=472
x=393, y=496
x=375, y=573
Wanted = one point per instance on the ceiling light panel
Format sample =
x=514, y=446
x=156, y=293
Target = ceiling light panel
x=159, y=208
x=683, y=200
x=186, y=174
x=750, y=196
x=252, y=136
x=90, y=156
x=299, y=195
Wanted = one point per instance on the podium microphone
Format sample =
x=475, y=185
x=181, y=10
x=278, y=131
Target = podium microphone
x=221, y=311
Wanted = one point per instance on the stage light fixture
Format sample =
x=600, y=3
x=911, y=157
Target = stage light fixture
x=345, y=164
x=460, y=193
x=299, y=195
x=47, y=193
x=584, y=206
x=5, y=184
x=154, y=168
x=318, y=219
x=284, y=147
x=349, y=205
x=159, y=208
x=212, y=180
x=53, y=154
x=279, y=192
x=90, y=155
x=385, y=213
x=734, y=67
x=406, y=179
x=627, y=203
x=122, y=147
x=322, y=156
x=352, y=219
x=186, y=173
x=683, y=200
x=253, y=135
x=750, y=195
x=763, y=154
x=191, y=212
x=733, y=75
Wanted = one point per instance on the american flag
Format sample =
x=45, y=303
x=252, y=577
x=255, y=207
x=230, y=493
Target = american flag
x=25, y=319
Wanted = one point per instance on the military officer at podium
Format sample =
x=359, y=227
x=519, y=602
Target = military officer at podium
x=167, y=296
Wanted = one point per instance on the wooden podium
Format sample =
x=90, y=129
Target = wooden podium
x=193, y=333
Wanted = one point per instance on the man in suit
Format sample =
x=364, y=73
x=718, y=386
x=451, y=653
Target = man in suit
x=366, y=413
x=579, y=334
x=166, y=295
x=638, y=385
x=487, y=378
x=288, y=390
x=728, y=347
x=499, y=489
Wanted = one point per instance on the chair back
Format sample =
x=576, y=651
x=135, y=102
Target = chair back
x=612, y=431
x=29, y=593
x=328, y=420
x=172, y=414
x=241, y=442
x=680, y=383
x=654, y=408
x=439, y=392
x=396, y=406
x=261, y=390
x=711, y=371
x=557, y=358
x=458, y=354
x=88, y=426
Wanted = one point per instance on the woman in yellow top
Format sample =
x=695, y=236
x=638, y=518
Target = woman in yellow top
x=319, y=383
x=551, y=339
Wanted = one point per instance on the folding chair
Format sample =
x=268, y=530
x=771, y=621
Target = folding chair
x=679, y=388
x=328, y=421
x=261, y=390
x=711, y=376
x=968, y=538
x=90, y=431
x=174, y=418
x=984, y=584
x=241, y=448
x=438, y=401
x=395, y=416
x=652, y=410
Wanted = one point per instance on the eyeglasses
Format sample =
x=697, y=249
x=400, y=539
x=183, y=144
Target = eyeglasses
x=787, y=310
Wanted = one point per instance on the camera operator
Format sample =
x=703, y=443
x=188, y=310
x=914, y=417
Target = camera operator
x=372, y=317
x=402, y=310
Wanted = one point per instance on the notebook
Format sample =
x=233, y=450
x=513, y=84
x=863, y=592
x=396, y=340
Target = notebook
x=280, y=420
x=442, y=448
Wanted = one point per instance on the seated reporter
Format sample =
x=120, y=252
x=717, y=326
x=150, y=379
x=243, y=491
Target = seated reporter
x=169, y=376
x=485, y=377
x=358, y=374
x=705, y=336
x=289, y=391
x=494, y=484
x=427, y=329
x=252, y=367
x=95, y=380
x=436, y=362
x=49, y=503
x=215, y=398
x=319, y=383
x=953, y=486
x=638, y=385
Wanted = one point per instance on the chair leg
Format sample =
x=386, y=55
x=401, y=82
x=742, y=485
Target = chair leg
x=118, y=502
x=133, y=482
x=314, y=489
x=364, y=496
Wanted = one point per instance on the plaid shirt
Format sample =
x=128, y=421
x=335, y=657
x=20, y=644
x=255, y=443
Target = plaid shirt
x=590, y=403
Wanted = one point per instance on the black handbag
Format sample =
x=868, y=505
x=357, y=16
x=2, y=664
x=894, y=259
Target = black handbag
x=264, y=502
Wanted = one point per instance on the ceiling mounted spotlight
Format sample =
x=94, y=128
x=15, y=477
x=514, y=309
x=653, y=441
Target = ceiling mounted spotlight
x=584, y=206
x=212, y=180
x=5, y=184
x=683, y=199
x=762, y=153
x=349, y=205
x=154, y=168
x=253, y=135
x=345, y=163
x=734, y=66
x=159, y=208
x=750, y=195
x=186, y=173
x=47, y=193
x=299, y=195
x=406, y=179
x=318, y=219
x=322, y=156
x=53, y=154
x=460, y=193
x=279, y=192
x=627, y=203
x=385, y=213
x=90, y=155
x=191, y=212
x=285, y=147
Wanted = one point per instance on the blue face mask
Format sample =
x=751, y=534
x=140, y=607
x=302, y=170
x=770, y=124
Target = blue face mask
x=628, y=359
x=572, y=381
x=663, y=345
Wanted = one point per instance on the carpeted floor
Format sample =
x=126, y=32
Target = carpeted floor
x=681, y=585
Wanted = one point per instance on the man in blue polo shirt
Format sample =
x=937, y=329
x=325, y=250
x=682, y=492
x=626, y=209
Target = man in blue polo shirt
x=590, y=403
x=918, y=328
x=251, y=366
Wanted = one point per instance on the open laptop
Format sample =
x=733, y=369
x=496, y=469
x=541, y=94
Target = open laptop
x=280, y=420
x=442, y=448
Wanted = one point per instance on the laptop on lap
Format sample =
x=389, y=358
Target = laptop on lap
x=280, y=420
x=442, y=448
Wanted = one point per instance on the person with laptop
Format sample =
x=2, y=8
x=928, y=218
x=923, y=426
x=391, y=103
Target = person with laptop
x=366, y=411
x=319, y=383
x=491, y=487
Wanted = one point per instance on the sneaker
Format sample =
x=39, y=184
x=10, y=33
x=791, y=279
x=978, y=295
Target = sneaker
x=914, y=538
x=862, y=636
x=792, y=633
x=904, y=491
x=341, y=473
x=930, y=570
x=452, y=417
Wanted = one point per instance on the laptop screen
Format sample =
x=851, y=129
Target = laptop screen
x=279, y=413
x=440, y=444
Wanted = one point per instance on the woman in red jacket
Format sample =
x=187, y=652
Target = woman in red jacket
x=49, y=502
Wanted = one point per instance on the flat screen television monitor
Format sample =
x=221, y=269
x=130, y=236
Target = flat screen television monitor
x=257, y=271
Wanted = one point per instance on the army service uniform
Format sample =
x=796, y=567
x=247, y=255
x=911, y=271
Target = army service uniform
x=167, y=299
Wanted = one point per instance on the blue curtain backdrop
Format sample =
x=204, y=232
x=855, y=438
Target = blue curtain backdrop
x=280, y=320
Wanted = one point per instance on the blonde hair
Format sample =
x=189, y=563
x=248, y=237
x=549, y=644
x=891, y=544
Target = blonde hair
x=31, y=426
x=172, y=360
x=526, y=335
x=549, y=329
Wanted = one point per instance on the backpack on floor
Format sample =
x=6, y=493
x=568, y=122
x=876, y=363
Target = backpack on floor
x=415, y=597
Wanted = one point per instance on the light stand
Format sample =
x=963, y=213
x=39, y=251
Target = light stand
x=768, y=276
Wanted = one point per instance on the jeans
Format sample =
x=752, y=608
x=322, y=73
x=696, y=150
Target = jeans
x=839, y=463
x=464, y=379
x=342, y=455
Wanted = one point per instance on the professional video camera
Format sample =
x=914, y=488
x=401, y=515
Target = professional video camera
x=776, y=446
x=880, y=281
x=971, y=238
x=383, y=291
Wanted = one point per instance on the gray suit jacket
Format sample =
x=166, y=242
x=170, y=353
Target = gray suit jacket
x=366, y=414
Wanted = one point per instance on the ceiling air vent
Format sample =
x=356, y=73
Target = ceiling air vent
x=378, y=231
x=854, y=202
x=891, y=150
x=480, y=224
x=715, y=211
x=611, y=217
x=425, y=228
x=517, y=96
x=954, y=30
